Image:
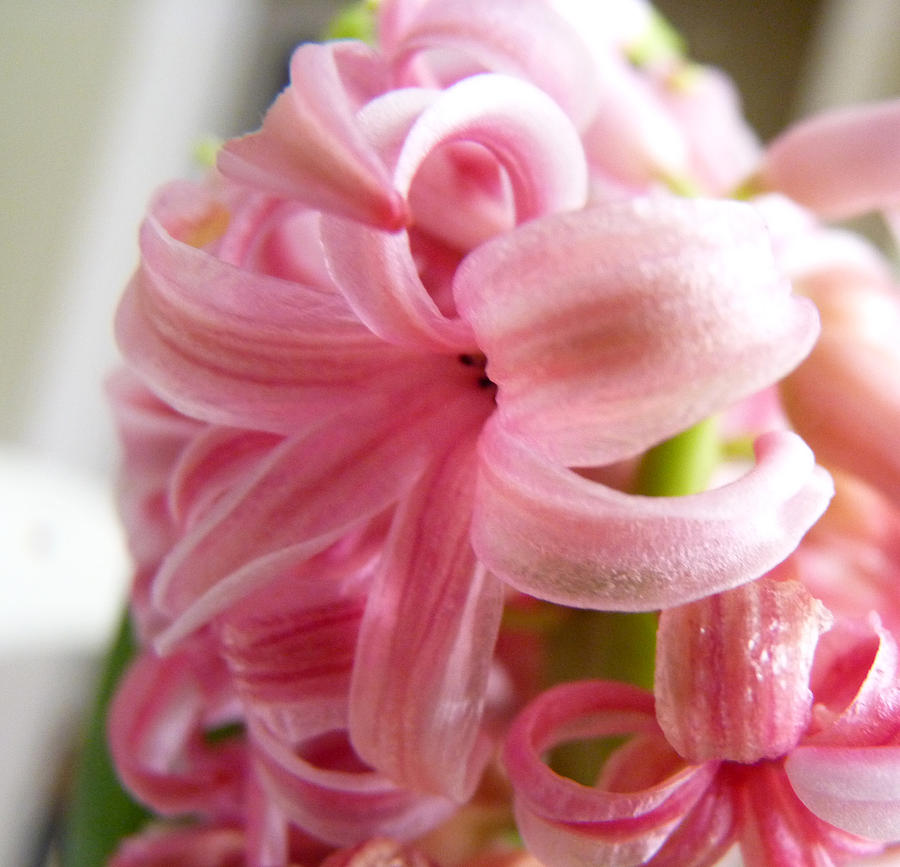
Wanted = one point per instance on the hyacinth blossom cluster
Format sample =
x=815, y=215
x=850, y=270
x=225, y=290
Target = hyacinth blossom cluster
x=406, y=374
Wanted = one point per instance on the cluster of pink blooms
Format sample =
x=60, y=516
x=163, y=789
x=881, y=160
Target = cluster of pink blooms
x=392, y=368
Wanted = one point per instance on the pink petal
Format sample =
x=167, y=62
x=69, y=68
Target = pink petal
x=732, y=671
x=307, y=493
x=840, y=163
x=275, y=237
x=152, y=436
x=323, y=787
x=290, y=646
x=379, y=852
x=525, y=129
x=310, y=147
x=856, y=789
x=377, y=274
x=245, y=349
x=213, y=463
x=500, y=37
x=845, y=398
x=558, y=536
x=565, y=823
x=706, y=832
x=778, y=831
x=427, y=639
x=723, y=147
x=872, y=717
x=156, y=735
x=633, y=137
x=530, y=138
x=610, y=329
x=195, y=846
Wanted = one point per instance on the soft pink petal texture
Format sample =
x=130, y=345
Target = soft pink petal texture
x=722, y=147
x=199, y=846
x=850, y=561
x=380, y=852
x=778, y=831
x=245, y=349
x=500, y=37
x=610, y=329
x=321, y=785
x=706, y=832
x=302, y=497
x=560, y=537
x=156, y=736
x=567, y=824
x=213, y=463
x=733, y=669
x=845, y=398
x=872, y=717
x=533, y=142
x=152, y=436
x=840, y=163
x=633, y=138
x=847, y=772
x=266, y=828
x=854, y=788
x=805, y=248
x=290, y=646
x=377, y=273
x=525, y=129
x=427, y=640
x=275, y=237
x=310, y=148
x=461, y=197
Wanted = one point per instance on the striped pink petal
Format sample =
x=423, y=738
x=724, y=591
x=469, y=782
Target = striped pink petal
x=567, y=824
x=847, y=773
x=156, y=729
x=733, y=670
x=427, y=640
x=290, y=647
x=558, y=536
x=321, y=784
x=308, y=492
x=245, y=349
x=777, y=830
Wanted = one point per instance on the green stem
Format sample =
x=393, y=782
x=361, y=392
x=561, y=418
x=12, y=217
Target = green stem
x=100, y=813
x=619, y=646
x=682, y=465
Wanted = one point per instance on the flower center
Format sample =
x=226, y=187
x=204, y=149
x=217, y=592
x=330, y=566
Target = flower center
x=478, y=364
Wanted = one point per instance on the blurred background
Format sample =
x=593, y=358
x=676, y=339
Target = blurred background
x=101, y=101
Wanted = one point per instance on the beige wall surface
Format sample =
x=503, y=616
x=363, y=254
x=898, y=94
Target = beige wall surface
x=55, y=61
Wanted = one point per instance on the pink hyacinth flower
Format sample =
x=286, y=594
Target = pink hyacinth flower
x=461, y=390
x=749, y=743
